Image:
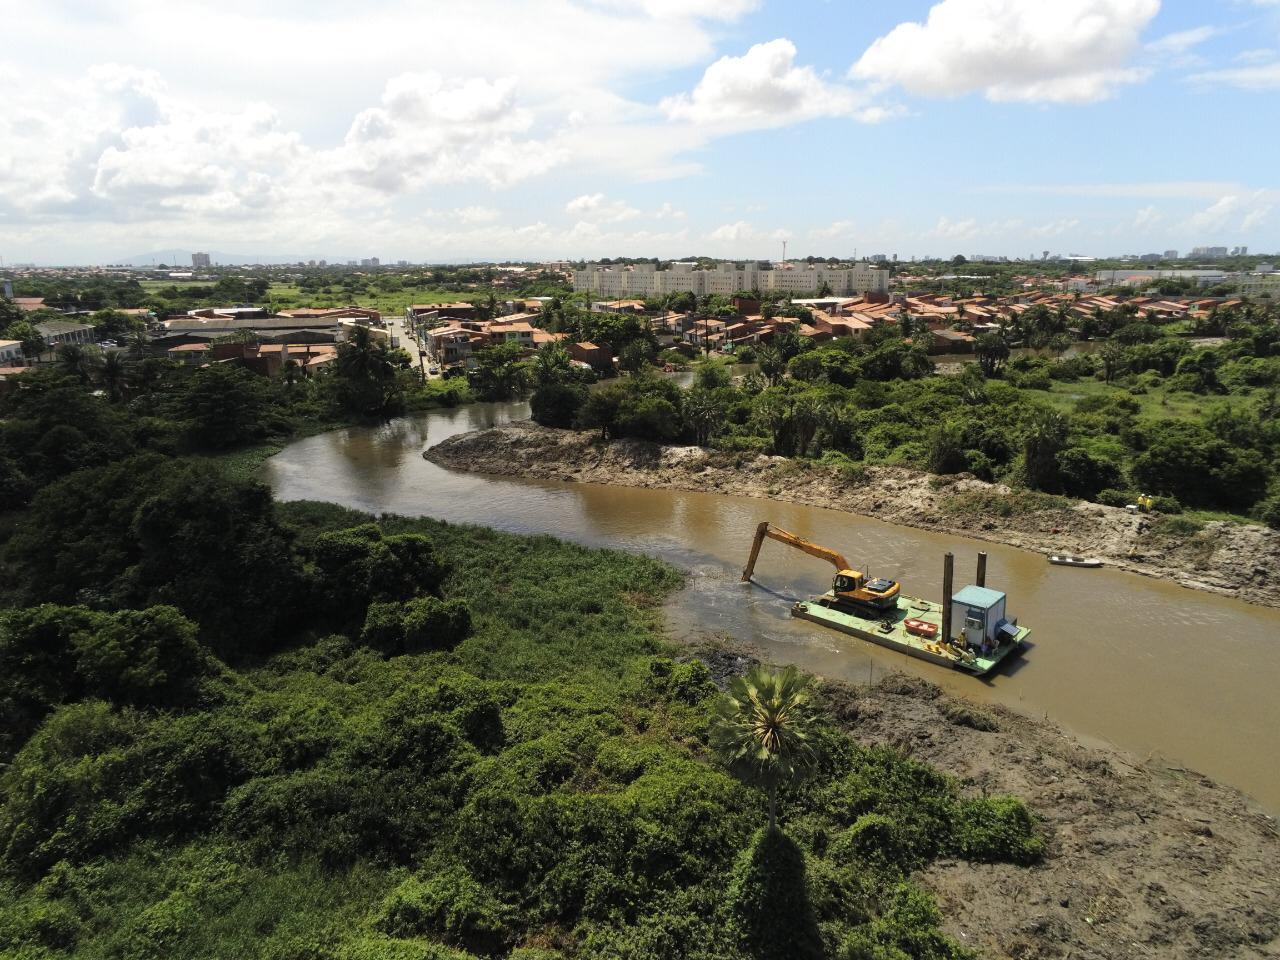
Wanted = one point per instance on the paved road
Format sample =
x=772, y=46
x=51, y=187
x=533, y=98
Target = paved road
x=397, y=328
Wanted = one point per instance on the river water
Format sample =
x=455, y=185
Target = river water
x=1189, y=678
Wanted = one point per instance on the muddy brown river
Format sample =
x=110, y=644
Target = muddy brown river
x=1188, y=678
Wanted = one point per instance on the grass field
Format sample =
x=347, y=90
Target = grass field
x=1157, y=402
x=285, y=296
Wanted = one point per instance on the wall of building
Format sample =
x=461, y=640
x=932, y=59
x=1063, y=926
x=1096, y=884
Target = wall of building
x=643, y=280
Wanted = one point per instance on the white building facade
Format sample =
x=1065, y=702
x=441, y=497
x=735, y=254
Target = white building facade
x=726, y=279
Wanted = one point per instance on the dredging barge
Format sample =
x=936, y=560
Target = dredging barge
x=874, y=609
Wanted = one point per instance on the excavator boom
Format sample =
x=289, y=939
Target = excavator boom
x=791, y=540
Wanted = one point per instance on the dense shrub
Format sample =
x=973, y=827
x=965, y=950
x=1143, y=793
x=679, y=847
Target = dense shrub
x=416, y=626
x=557, y=404
x=51, y=655
x=1268, y=512
x=450, y=905
x=997, y=829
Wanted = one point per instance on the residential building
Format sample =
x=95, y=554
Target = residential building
x=512, y=331
x=450, y=345
x=201, y=261
x=59, y=333
x=1208, y=251
x=593, y=355
x=348, y=327
x=10, y=353
x=727, y=278
x=189, y=354
x=1171, y=254
x=1205, y=278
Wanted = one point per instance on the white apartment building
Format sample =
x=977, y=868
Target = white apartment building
x=1257, y=284
x=645, y=280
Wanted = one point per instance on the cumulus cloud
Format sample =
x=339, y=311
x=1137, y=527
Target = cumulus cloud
x=431, y=129
x=1242, y=211
x=763, y=88
x=596, y=208
x=1067, y=51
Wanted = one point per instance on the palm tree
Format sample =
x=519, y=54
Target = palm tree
x=113, y=374
x=139, y=344
x=552, y=364
x=763, y=730
x=772, y=364
x=77, y=361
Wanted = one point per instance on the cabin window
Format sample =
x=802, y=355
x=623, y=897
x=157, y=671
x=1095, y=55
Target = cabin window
x=844, y=583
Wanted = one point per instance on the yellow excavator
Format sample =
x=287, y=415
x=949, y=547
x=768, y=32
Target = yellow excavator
x=851, y=587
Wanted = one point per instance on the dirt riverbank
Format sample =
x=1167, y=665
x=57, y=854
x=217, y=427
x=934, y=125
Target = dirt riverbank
x=1144, y=861
x=1237, y=560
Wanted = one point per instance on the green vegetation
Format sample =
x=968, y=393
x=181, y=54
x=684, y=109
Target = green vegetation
x=1194, y=427
x=386, y=289
x=240, y=728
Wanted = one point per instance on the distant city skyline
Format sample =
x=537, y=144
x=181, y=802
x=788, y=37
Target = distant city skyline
x=592, y=128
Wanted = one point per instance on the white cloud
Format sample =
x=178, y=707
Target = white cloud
x=595, y=207
x=1216, y=215
x=763, y=88
x=1066, y=51
x=476, y=214
x=1234, y=211
x=1054, y=228
x=1262, y=77
x=1192, y=189
x=742, y=231
x=1258, y=55
x=432, y=130
x=1256, y=217
x=836, y=230
x=668, y=212
x=724, y=10
x=948, y=229
x=1172, y=44
x=1146, y=218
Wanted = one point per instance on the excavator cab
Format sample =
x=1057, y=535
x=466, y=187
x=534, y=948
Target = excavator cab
x=851, y=586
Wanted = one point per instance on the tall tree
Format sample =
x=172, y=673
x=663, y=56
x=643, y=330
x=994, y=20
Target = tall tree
x=79, y=362
x=113, y=374
x=763, y=730
x=366, y=375
x=992, y=351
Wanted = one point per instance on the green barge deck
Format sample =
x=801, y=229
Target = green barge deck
x=887, y=628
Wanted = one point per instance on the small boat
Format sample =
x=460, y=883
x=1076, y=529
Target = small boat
x=1066, y=560
x=920, y=628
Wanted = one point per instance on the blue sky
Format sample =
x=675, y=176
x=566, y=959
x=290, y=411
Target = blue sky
x=584, y=128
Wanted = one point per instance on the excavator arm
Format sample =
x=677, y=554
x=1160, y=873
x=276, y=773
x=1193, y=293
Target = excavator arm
x=791, y=540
